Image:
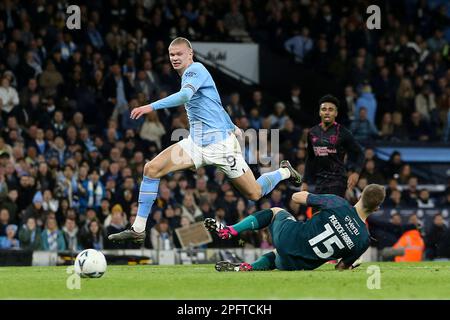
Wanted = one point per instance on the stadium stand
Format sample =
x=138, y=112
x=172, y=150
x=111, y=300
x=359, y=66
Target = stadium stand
x=71, y=159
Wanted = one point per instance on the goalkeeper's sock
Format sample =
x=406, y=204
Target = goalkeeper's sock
x=265, y=262
x=256, y=221
x=269, y=180
x=148, y=193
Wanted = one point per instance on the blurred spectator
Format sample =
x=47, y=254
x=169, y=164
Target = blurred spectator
x=368, y=101
x=395, y=200
x=190, y=209
x=93, y=236
x=235, y=109
x=371, y=174
x=117, y=91
x=9, y=241
x=387, y=126
x=9, y=99
x=411, y=193
x=52, y=237
x=426, y=104
x=393, y=166
x=405, y=97
x=294, y=104
x=405, y=174
x=299, y=45
x=30, y=235
x=59, y=151
x=161, y=236
x=434, y=236
x=117, y=211
x=350, y=101
x=45, y=177
x=5, y=220
x=254, y=118
x=418, y=129
x=95, y=190
x=234, y=23
x=36, y=210
x=94, y=36
x=55, y=120
x=369, y=154
x=83, y=189
x=278, y=118
x=86, y=220
x=71, y=235
x=68, y=187
x=424, y=201
x=363, y=130
x=152, y=130
x=116, y=225
x=50, y=80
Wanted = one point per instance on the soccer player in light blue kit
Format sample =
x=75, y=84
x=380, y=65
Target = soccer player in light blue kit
x=212, y=141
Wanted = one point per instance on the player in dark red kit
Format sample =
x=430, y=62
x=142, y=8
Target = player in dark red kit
x=328, y=143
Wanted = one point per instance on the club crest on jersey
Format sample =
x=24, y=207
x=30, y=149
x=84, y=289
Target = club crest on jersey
x=314, y=139
x=333, y=139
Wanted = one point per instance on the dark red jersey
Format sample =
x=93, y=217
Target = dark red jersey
x=326, y=152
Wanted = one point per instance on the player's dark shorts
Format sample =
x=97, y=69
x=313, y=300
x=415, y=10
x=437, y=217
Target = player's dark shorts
x=286, y=231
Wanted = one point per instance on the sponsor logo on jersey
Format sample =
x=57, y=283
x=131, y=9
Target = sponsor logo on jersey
x=323, y=151
x=190, y=74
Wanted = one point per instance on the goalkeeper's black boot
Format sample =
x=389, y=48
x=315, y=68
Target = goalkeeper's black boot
x=128, y=234
x=296, y=178
x=223, y=266
x=223, y=232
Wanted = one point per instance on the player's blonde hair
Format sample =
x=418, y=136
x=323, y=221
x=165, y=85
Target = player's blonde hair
x=373, y=196
x=181, y=40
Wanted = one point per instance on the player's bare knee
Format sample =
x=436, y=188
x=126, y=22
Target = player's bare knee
x=255, y=194
x=151, y=171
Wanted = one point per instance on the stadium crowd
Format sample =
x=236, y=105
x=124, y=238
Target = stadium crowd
x=71, y=158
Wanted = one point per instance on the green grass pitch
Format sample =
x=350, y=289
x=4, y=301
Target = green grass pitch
x=426, y=280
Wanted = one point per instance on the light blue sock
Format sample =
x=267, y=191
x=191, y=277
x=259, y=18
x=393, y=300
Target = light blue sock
x=148, y=193
x=268, y=181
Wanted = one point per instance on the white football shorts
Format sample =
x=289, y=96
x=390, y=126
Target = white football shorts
x=226, y=155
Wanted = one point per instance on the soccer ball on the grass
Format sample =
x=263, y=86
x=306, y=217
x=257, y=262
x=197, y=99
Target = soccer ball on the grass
x=90, y=263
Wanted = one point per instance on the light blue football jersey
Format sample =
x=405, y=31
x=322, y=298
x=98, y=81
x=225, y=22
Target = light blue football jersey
x=208, y=120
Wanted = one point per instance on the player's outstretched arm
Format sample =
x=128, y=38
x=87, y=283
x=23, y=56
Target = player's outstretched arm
x=136, y=113
x=300, y=197
x=174, y=100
